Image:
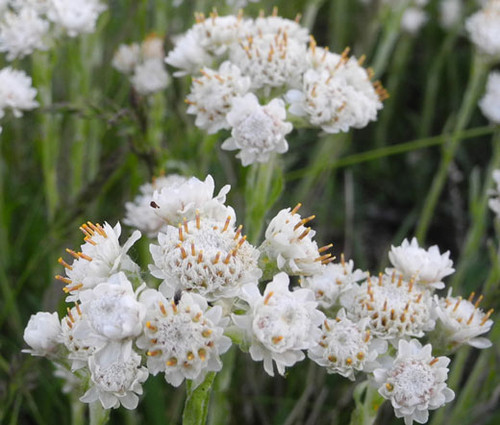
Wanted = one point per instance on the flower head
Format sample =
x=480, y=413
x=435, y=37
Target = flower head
x=257, y=130
x=126, y=58
x=183, y=338
x=150, y=77
x=484, y=29
x=16, y=92
x=280, y=323
x=490, y=102
x=42, y=333
x=415, y=382
x=74, y=16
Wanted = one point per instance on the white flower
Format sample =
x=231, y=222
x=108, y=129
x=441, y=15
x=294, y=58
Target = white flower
x=257, y=130
x=494, y=201
x=291, y=244
x=16, y=92
x=152, y=47
x=270, y=60
x=177, y=201
x=335, y=279
x=450, y=13
x=413, y=19
x=484, y=29
x=150, y=77
x=426, y=267
x=183, y=338
x=75, y=16
x=23, y=32
x=461, y=321
x=126, y=58
x=212, y=96
x=115, y=384
x=206, y=256
x=140, y=214
x=279, y=323
x=395, y=308
x=100, y=257
x=274, y=25
x=346, y=347
x=42, y=333
x=415, y=382
x=490, y=102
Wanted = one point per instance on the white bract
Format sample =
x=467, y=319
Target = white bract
x=426, y=267
x=415, y=382
x=346, y=346
x=258, y=131
x=490, y=102
x=206, y=256
x=42, y=333
x=484, y=29
x=176, y=202
x=116, y=384
x=461, y=321
x=183, y=337
x=16, y=92
x=280, y=323
x=212, y=96
x=140, y=214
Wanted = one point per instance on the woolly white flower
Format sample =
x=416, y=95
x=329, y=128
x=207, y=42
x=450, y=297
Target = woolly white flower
x=22, y=33
x=274, y=25
x=150, y=77
x=484, y=29
x=335, y=279
x=16, y=92
x=206, y=256
x=494, y=201
x=75, y=16
x=490, y=103
x=42, y=333
x=100, y=257
x=461, y=321
x=270, y=60
x=346, y=347
x=212, y=96
x=395, y=308
x=257, y=130
x=279, y=323
x=450, y=13
x=140, y=214
x=152, y=47
x=175, y=202
x=291, y=244
x=413, y=19
x=426, y=267
x=126, y=57
x=415, y=382
x=112, y=317
x=116, y=384
x=183, y=338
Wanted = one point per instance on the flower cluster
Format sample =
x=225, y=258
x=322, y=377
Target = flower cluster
x=482, y=28
x=215, y=288
x=250, y=74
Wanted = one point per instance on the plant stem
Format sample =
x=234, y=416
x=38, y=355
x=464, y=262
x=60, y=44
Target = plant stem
x=366, y=410
x=77, y=411
x=197, y=401
x=474, y=88
x=98, y=415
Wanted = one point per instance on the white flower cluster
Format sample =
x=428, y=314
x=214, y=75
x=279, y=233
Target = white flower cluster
x=217, y=288
x=143, y=64
x=483, y=28
x=16, y=92
x=247, y=73
x=490, y=102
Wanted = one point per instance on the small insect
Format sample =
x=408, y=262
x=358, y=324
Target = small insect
x=177, y=296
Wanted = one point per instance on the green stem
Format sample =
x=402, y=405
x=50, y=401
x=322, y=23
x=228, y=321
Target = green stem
x=311, y=12
x=197, y=401
x=98, y=415
x=472, y=93
x=368, y=402
x=220, y=408
x=77, y=411
x=478, y=219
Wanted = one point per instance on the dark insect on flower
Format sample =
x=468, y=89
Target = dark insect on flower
x=177, y=297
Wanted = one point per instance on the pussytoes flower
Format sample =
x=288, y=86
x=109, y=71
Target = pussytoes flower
x=212, y=96
x=150, y=77
x=100, y=257
x=395, y=308
x=16, y=92
x=483, y=28
x=257, y=131
x=74, y=16
x=206, y=256
x=116, y=384
x=346, y=347
x=490, y=102
x=290, y=243
x=450, y=13
x=414, y=382
x=42, y=334
x=335, y=279
x=126, y=57
x=413, y=19
x=275, y=25
x=461, y=321
x=183, y=337
x=279, y=324
x=140, y=214
x=176, y=202
x=426, y=267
